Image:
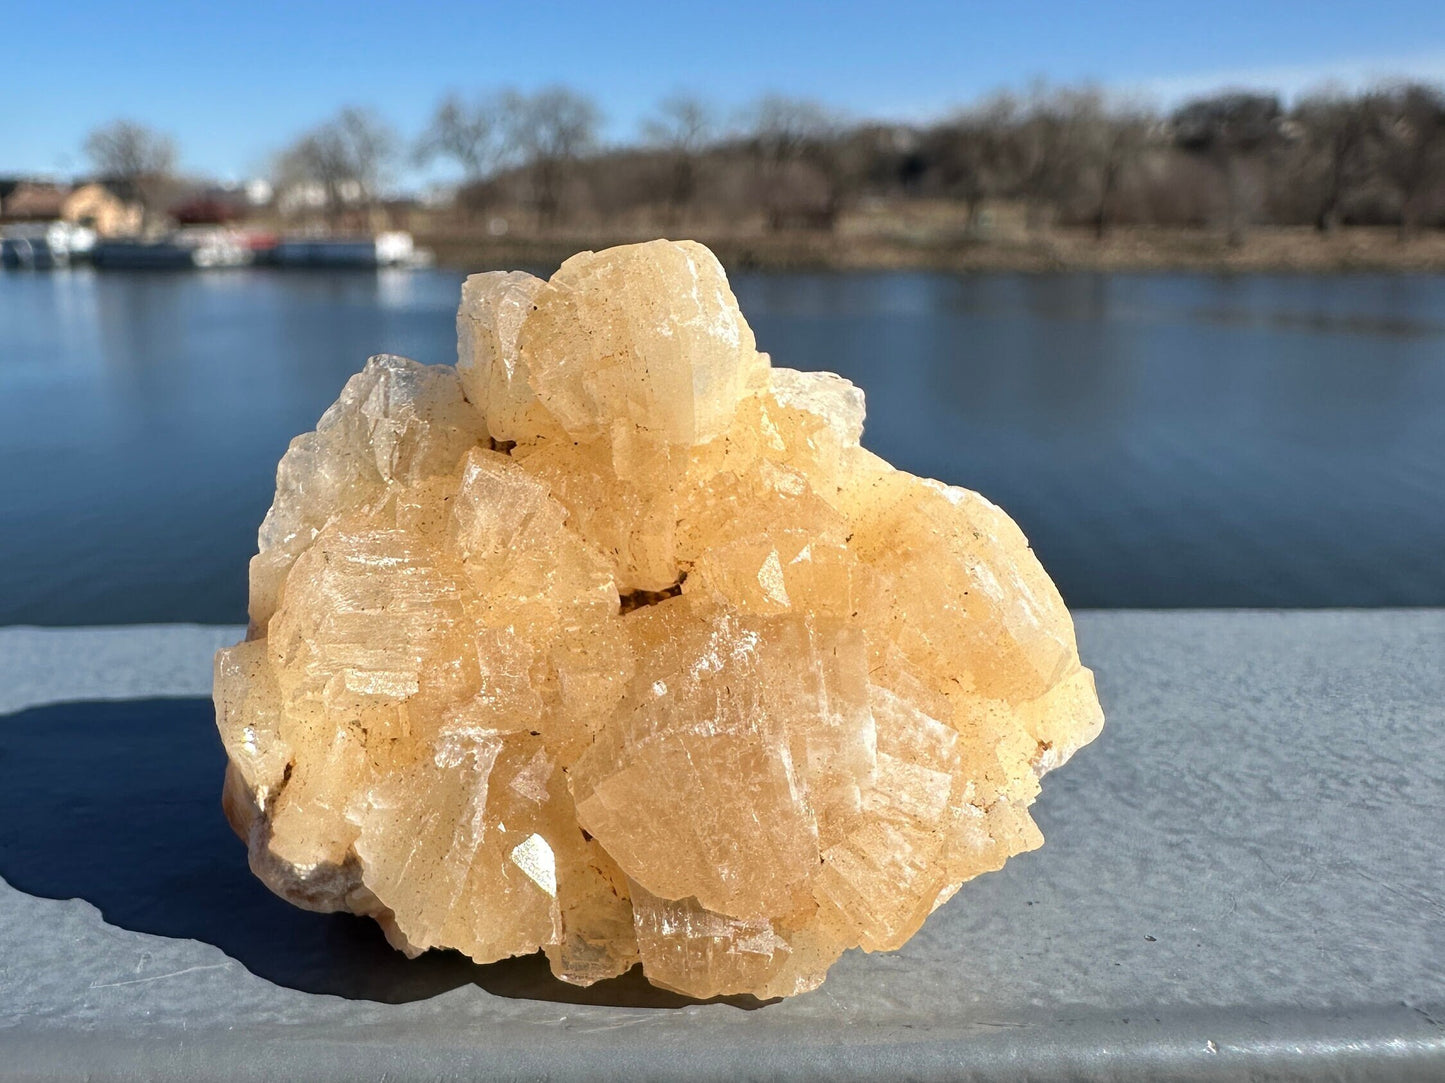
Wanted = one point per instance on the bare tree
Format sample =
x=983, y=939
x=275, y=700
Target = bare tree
x=550, y=130
x=347, y=159
x=1111, y=139
x=971, y=155
x=138, y=160
x=1333, y=132
x=783, y=127
x=467, y=133
x=314, y=166
x=789, y=134
x=471, y=135
x=1408, y=138
x=682, y=128
x=369, y=145
x=1039, y=153
x=1227, y=129
x=1054, y=135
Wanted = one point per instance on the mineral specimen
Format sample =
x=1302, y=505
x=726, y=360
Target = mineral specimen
x=612, y=641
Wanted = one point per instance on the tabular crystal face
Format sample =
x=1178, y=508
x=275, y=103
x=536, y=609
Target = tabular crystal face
x=612, y=641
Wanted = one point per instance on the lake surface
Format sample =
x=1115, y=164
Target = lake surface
x=1164, y=440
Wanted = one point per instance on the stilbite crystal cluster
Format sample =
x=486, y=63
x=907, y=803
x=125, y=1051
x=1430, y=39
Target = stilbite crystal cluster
x=612, y=641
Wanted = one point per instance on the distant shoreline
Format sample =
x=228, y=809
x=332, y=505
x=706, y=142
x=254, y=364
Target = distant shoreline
x=1265, y=250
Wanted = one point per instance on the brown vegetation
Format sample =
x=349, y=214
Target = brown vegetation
x=1055, y=178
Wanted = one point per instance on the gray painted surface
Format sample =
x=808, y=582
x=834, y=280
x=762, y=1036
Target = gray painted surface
x=1242, y=878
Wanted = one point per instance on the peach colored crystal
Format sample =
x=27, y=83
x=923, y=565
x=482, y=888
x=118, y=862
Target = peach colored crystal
x=612, y=642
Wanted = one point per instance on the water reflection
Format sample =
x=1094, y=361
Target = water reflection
x=1165, y=440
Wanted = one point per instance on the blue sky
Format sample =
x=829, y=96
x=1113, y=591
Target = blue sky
x=233, y=82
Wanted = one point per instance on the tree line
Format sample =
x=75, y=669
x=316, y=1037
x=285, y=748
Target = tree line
x=1059, y=156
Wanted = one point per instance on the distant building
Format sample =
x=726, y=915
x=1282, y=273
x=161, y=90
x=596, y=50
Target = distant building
x=92, y=205
x=34, y=201
x=98, y=207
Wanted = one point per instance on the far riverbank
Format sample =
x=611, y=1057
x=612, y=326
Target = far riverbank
x=855, y=247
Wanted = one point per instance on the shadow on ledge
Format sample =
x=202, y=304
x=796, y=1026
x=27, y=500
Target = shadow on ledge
x=118, y=803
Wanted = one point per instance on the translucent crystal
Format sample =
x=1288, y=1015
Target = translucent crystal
x=613, y=642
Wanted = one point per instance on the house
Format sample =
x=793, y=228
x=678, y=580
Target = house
x=33, y=201
x=97, y=206
x=93, y=205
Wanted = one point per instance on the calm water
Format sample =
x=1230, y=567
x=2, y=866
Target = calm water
x=1164, y=440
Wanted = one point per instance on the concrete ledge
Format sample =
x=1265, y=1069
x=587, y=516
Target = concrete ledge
x=1242, y=878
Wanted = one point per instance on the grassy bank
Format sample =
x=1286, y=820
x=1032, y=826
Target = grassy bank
x=859, y=244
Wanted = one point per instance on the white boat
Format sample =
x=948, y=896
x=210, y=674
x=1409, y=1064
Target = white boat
x=44, y=245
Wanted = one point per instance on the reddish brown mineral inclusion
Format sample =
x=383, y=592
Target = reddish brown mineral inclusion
x=612, y=641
